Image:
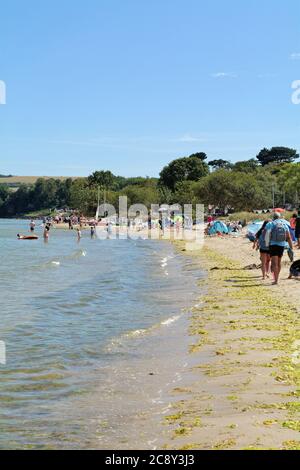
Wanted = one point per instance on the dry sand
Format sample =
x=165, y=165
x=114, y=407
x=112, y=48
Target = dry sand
x=245, y=333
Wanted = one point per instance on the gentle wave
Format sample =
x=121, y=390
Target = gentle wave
x=73, y=256
x=119, y=341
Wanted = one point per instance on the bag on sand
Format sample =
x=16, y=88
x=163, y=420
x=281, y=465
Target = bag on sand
x=279, y=233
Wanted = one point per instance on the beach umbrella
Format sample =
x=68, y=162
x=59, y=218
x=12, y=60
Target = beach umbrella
x=278, y=209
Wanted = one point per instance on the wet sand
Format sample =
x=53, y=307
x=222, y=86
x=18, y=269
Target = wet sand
x=246, y=335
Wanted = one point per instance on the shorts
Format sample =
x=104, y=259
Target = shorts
x=264, y=252
x=276, y=250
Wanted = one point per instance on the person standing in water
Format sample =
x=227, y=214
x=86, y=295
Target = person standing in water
x=79, y=234
x=46, y=232
x=276, y=239
x=32, y=225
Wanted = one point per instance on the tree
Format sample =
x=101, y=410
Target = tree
x=217, y=164
x=44, y=194
x=247, y=166
x=277, y=155
x=289, y=183
x=226, y=189
x=141, y=195
x=17, y=203
x=201, y=155
x=185, y=193
x=4, y=195
x=104, y=179
x=183, y=169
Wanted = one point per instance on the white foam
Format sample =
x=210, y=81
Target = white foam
x=135, y=333
x=56, y=263
x=171, y=320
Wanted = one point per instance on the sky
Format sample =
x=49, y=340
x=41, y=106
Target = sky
x=129, y=85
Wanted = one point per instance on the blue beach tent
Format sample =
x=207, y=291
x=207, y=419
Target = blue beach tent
x=219, y=227
x=256, y=226
x=253, y=228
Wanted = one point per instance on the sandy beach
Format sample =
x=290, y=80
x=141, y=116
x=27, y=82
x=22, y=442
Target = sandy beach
x=245, y=332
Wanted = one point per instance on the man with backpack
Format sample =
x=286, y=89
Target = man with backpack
x=277, y=238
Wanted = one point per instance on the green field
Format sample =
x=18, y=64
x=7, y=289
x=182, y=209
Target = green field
x=15, y=181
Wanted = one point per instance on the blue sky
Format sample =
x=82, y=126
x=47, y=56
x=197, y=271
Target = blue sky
x=129, y=85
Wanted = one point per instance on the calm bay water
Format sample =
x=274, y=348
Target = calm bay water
x=95, y=336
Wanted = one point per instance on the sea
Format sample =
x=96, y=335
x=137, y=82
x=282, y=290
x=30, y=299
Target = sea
x=94, y=338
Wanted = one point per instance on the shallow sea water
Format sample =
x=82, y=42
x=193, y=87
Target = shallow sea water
x=96, y=339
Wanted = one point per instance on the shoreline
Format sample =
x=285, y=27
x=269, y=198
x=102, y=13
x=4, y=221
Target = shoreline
x=246, y=395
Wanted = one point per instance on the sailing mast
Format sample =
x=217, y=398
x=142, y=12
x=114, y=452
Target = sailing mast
x=98, y=205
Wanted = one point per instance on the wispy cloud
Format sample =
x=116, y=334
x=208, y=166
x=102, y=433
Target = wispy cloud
x=295, y=56
x=188, y=138
x=224, y=75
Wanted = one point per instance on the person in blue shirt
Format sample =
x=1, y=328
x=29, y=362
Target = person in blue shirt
x=277, y=238
x=260, y=244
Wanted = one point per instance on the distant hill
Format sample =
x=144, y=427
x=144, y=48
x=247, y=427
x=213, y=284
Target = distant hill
x=15, y=181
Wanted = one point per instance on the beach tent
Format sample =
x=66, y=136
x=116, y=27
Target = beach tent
x=253, y=228
x=218, y=227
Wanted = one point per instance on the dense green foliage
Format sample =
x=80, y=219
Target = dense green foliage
x=183, y=169
x=277, y=155
x=246, y=185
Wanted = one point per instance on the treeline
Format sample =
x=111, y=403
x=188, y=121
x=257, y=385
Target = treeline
x=273, y=177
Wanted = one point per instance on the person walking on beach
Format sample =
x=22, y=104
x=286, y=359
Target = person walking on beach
x=260, y=244
x=297, y=229
x=276, y=238
x=293, y=221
